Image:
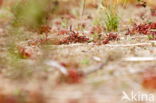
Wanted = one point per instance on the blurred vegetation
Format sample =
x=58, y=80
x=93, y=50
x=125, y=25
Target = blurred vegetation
x=25, y=15
x=32, y=13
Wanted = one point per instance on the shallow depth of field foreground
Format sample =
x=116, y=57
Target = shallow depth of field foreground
x=77, y=51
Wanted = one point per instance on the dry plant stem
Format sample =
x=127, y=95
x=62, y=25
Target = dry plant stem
x=139, y=59
x=46, y=36
x=113, y=45
x=82, y=12
x=95, y=68
x=84, y=3
x=130, y=45
x=58, y=66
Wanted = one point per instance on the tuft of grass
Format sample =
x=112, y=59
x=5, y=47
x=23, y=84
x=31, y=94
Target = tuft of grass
x=108, y=15
x=111, y=19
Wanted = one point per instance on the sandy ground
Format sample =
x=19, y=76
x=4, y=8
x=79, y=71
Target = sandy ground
x=104, y=86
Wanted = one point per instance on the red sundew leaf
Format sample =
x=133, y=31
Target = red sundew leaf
x=11, y=99
x=30, y=52
x=64, y=64
x=26, y=52
x=27, y=97
x=106, y=41
x=33, y=42
x=2, y=98
x=153, y=12
x=70, y=64
x=74, y=38
x=150, y=82
x=152, y=26
x=44, y=29
x=149, y=78
x=74, y=76
x=8, y=98
x=58, y=23
x=63, y=32
x=36, y=97
x=82, y=25
x=110, y=37
x=142, y=29
x=1, y=2
x=129, y=32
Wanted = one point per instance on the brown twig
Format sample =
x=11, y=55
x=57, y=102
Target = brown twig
x=95, y=68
